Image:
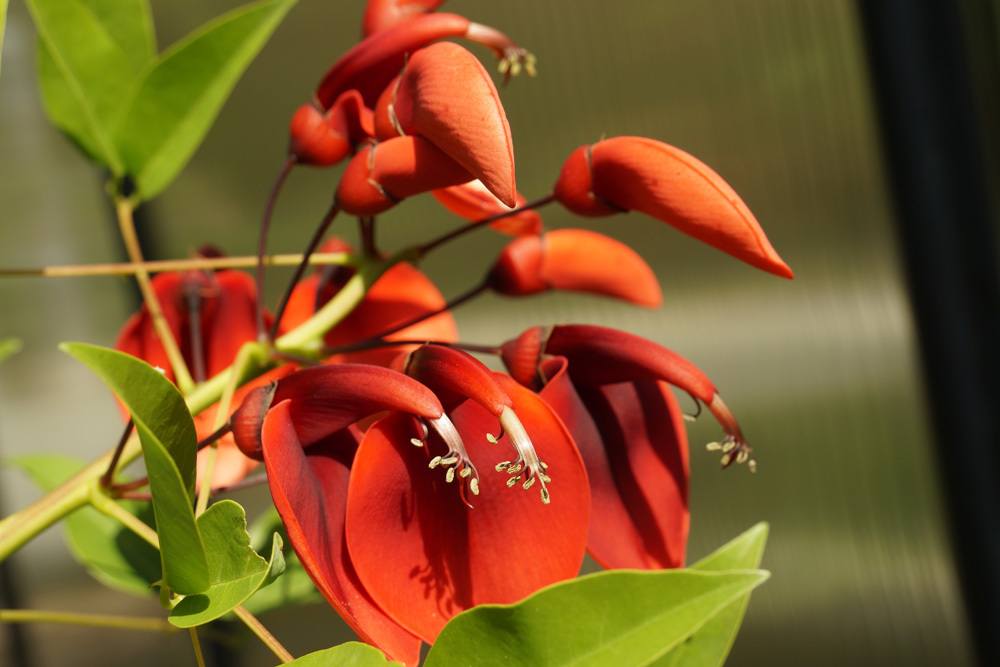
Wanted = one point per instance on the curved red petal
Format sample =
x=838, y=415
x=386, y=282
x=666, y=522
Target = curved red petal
x=576, y=260
x=425, y=557
x=446, y=96
x=309, y=492
x=380, y=176
x=139, y=338
x=371, y=64
x=313, y=140
x=454, y=376
x=473, y=202
x=382, y=14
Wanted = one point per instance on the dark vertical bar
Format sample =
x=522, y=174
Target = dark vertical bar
x=935, y=151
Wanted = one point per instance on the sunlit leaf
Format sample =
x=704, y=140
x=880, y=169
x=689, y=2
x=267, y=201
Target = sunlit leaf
x=235, y=570
x=167, y=434
x=3, y=25
x=85, y=69
x=710, y=646
x=622, y=617
x=8, y=346
x=111, y=553
x=178, y=99
x=351, y=654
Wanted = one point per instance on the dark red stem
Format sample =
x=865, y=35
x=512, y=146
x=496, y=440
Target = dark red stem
x=478, y=224
x=265, y=227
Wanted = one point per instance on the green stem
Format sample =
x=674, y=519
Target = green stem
x=126, y=225
x=88, y=620
x=199, y=658
x=248, y=353
x=263, y=634
x=105, y=505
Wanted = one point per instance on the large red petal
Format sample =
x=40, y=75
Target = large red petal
x=310, y=495
x=634, y=444
x=474, y=202
x=424, y=556
x=138, y=337
x=234, y=321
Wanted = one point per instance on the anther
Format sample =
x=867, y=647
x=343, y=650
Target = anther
x=713, y=447
x=434, y=462
x=743, y=456
x=546, y=499
x=529, y=483
x=474, y=486
x=726, y=458
x=503, y=465
x=728, y=446
x=512, y=481
x=752, y=465
x=450, y=475
x=416, y=442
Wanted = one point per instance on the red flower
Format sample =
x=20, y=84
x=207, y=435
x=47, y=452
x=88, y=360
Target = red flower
x=635, y=173
x=382, y=14
x=612, y=389
x=576, y=260
x=419, y=566
x=211, y=316
x=323, y=138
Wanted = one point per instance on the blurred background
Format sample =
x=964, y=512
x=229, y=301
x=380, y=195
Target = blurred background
x=822, y=371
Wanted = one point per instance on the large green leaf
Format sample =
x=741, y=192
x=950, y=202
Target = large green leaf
x=86, y=69
x=8, y=346
x=710, y=646
x=622, y=617
x=167, y=435
x=235, y=569
x=178, y=99
x=350, y=654
x=111, y=553
x=3, y=24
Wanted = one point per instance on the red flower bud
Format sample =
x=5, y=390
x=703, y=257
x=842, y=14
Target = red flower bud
x=325, y=138
x=473, y=202
x=445, y=96
x=576, y=260
x=382, y=14
x=380, y=176
x=635, y=173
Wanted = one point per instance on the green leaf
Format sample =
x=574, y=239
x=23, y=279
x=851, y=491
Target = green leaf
x=235, y=569
x=710, y=646
x=294, y=587
x=177, y=100
x=87, y=64
x=8, y=346
x=167, y=435
x=3, y=24
x=621, y=617
x=349, y=654
x=111, y=553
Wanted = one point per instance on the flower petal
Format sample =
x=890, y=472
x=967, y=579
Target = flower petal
x=446, y=96
x=382, y=14
x=474, y=202
x=576, y=260
x=309, y=492
x=233, y=321
x=660, y=180
x=454, y=376
x=633, y=441
x=425, y=557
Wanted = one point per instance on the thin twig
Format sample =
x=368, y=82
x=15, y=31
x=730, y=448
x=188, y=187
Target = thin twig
x=126, y=225
x=88, y=620
x=263, y=634
x=479, y=224
x=159, y=266
x=265, y=228
x=199, y=658
x=108, y=478
x=314, y=242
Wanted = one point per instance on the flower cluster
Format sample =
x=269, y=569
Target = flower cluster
x=413, y=481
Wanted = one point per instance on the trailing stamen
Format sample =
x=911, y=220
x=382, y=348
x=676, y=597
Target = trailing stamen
x=527, y=467
x=734, y=446
x=457, y=459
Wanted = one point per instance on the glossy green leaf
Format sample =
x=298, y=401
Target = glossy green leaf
x=293, y=587
x=235, y=569
x=167, y=435
x=710, y=646
x=8, y=346
x=350, y=654
x=85, y=69
x=621, y=617
x=111, y=553
x=177, y=100
x=3, y=25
